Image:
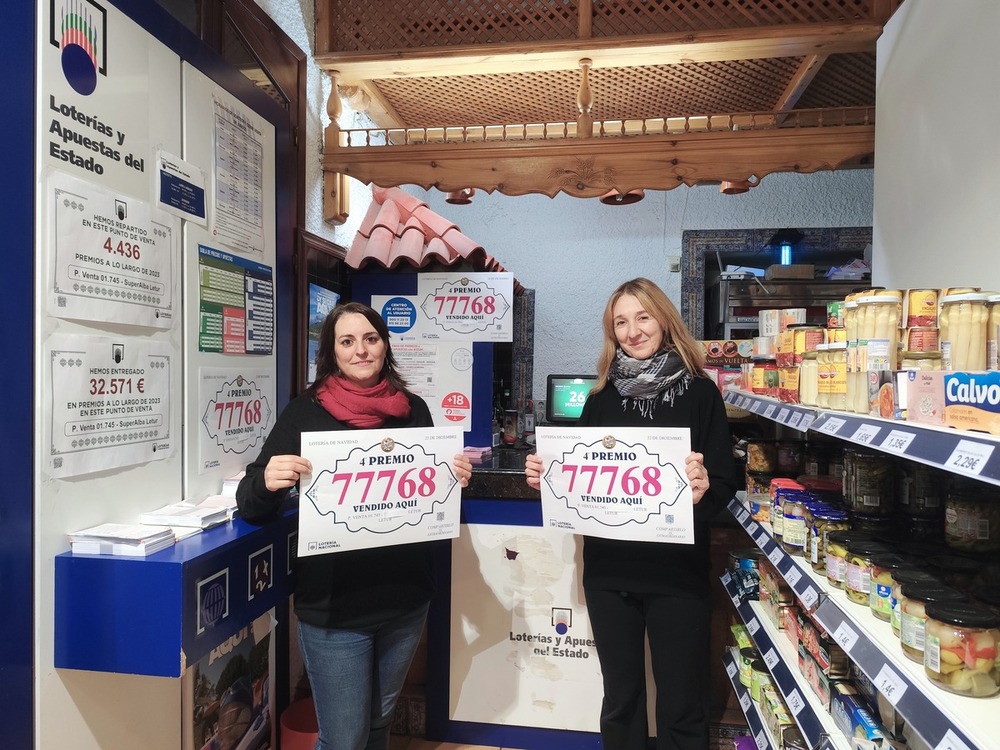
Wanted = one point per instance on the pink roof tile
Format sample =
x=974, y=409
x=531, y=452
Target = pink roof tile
x=400, y=229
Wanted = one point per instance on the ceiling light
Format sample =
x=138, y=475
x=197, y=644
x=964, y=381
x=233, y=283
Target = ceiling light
x=614, y=198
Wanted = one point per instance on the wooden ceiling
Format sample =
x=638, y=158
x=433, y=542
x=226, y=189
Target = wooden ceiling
x=584, y=96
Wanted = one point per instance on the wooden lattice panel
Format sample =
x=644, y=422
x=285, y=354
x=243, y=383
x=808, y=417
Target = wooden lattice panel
x=362, y=25
x=365, y=26
x=630, y=17
x=843, y=81
x=618, y=93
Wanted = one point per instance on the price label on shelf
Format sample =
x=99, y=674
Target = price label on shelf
x=969, y=457
x=793, y=576
x=759, y=407
x=753, y=626
x=845, y=636
x=736, y=601
x=831, y=425
x=743, y=515
x=865, y=433
x=795, y=419
x=897, y=441
x=745, y=702
x=783, y=415
x=806, y=423
x=762, y=539
x=752, y=528
x=809, y=597
x=771, y=658
x=795, y=702
x=769, y=411
x=951, y=741
x=731, y=669
x=776, y=555
x=726, y=578
x=761, y=739
x=890, y=684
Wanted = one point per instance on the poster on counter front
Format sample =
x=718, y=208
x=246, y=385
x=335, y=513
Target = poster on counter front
x=378, y=487
x=113, y=256
x=452, y=307
x=237, y=413
x=617, y=482
x=107, y=403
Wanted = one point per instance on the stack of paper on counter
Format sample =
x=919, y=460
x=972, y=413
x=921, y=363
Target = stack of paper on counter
x=130, y=540
x=226, y=502
x=229, y=484
x=185, y=514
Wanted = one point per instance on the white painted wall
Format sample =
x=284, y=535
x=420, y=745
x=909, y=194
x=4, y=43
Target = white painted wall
x=937, y=171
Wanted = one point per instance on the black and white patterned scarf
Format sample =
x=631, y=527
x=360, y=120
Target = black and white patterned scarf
x=646, y=382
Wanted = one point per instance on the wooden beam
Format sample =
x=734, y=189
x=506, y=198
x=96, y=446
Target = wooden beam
x=589, y=168
x=797, y=86
x=613, y=52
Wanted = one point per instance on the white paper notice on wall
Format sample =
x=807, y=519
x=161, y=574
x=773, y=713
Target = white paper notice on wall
x=106, y=403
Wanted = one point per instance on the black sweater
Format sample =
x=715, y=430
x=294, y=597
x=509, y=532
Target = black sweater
x=662, y=567
x=356, y=588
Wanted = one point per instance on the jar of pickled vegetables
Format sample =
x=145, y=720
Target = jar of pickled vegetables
x=793, y=524
x=912, y=615
x=825, y=520
x=869, y=482
x=899, y=577
x=880, y=589
x=835, y=555
x=809, y=379
x=857, y=573
x=760, y=677
x=988, y=595
x=960, y=648
x=920, y=490
x=993, y=332
x=963, y=326
x=747, y=657
x=972, y=516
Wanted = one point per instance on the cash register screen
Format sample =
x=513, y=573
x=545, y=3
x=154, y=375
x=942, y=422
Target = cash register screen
x=565, y=396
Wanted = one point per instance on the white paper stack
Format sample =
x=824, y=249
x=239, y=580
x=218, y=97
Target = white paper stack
x=229, y=484
x=185, y=514
x=129, y=540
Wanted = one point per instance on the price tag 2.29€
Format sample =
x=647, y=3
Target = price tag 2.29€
x=969, y=457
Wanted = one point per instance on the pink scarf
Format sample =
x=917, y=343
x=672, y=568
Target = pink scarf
x=362, y=407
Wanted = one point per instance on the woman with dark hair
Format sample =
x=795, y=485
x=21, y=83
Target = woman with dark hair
x=650, y=374
x=361, y=612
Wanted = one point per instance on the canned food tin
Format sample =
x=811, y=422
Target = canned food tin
x=921, y=339
x=921, y=307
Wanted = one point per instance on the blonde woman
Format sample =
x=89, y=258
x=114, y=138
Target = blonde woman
x=650, y=374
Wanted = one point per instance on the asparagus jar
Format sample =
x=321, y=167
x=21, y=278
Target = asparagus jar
x=963, y=323
x=960, y=648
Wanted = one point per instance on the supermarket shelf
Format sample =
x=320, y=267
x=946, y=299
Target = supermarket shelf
x=970, y=454
x=813, y=719
x=942, y=719
x=751, y=710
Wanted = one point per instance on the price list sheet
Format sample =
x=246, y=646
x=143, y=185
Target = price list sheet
x=236, y=314
x=239, y=180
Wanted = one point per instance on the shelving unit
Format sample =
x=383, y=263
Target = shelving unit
x=750, y=709
x=971, y=454
x=811, y=716
x=942, y=719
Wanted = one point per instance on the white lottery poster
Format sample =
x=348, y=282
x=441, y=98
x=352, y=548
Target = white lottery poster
x=617, y=482
x=112, y=257
x=441, y=374
x=379, y=487
x=452, y=307
x=237, y=413
x=107, y=403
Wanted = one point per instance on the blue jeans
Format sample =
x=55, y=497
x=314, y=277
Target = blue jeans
x=356, y=677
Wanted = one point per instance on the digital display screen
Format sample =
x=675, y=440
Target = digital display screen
x=566, y=395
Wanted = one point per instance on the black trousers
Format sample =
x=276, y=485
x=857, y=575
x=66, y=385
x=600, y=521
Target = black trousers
x=678, y=631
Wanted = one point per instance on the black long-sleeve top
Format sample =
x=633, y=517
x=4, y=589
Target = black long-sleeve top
x=348, y=589
x=663, y=567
